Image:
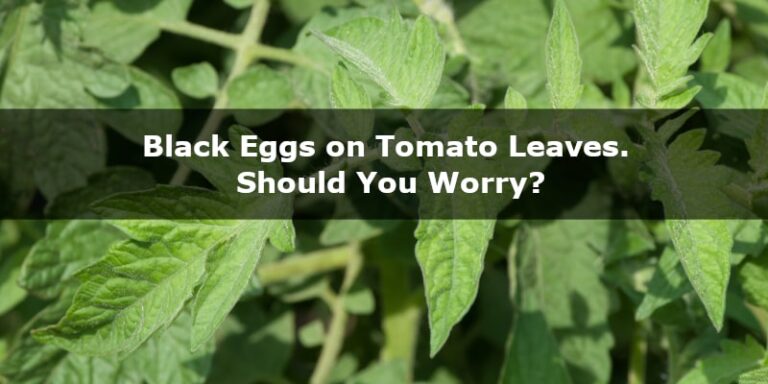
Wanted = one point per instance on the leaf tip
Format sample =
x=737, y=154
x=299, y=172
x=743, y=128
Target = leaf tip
x=436, y=343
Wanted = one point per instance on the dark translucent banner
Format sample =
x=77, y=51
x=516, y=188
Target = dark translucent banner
x=383, y=164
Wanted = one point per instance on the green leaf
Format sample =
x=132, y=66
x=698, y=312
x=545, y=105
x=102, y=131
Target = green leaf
x=55, y=152
x=667, y=33
x=72, y=153
x=123, y=29
x=752, y=14
x=757, y=376
x=68, y=247
x=76, y=203
x=229, y=249
x=758, y=160
x=514, y=100
x=533, y=352
x=404, y=60
x=704, y=247
x=533, y=355
x=298, y=11
x=142, y=284
x=736, y=358
x=558, y=275
x=727, y=91
x=733, y=93
x=668, y=283
x=408, y=163
x=629, y=238
x=450, y=254
x=88, y=370
x=753, y=68
x=29, y=79
x=753, y=277
x=10, y=23
x=197, y=80
x=42, y=56
x=260, y=87
x=253, y=333
x=311, y=85
x=239, y=4
x=563, y=60
x=688, y=183
x=359, y=300
x=146, y=92
x=33, y=363
x=621, y=94
x=516, y=106
x=146, y=215
x=102, y=77
x=717, y=56
x=338, y=232
x=347, y=94
x=505, y=39
x=313, y=334
x=382, y=373
x=749, y=238
x=30, y=362
x=170, y=348
x=136, y=290
x=223, y=173
x=11, y=293
x=229, y=267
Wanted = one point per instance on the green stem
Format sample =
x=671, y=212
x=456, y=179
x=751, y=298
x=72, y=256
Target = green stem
x=250, y=35
x=212, y=123
x=232, y=41
x=260, y=51
x=638, y=356
x=335, y=338
x=199, y=32
x=762, y=317
x=673, y=351
x=312, y=264
x=401, y=315
x=414, y=123
x=443, y=14
x=441, y=11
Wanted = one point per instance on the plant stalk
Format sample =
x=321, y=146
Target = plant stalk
x=199, y=32
x=261, y=51
x=312, y=264
x=335, y=339
x=401, y=315
x=638, y=356
x=250, y=35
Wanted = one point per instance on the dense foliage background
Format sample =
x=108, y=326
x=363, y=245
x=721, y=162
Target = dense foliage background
x=228, y=301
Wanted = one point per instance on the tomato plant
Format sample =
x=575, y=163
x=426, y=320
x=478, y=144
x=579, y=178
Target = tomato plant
x=221, y=299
